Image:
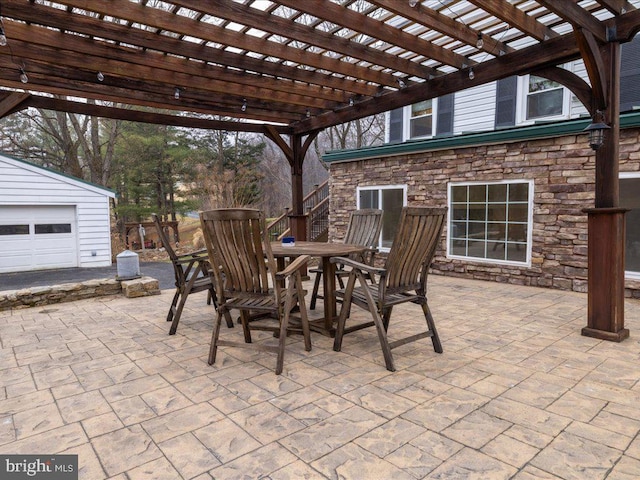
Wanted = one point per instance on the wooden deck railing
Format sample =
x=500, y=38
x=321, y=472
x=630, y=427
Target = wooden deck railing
x=316, y=206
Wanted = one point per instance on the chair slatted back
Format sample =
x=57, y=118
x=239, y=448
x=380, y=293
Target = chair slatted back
x=235, y=238
x=364, y=227
x=178, y=269
x=413, y=248
x=164, y=240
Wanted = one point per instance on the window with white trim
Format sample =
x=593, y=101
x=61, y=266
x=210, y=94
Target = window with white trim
x=542, y=99
x=491, y=222
x=421, y=119
x=630, y=198
x=390, y=199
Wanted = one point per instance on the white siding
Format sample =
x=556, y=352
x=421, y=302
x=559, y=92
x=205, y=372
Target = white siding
x=25, y=184
x=577, y=108
x=475, y=109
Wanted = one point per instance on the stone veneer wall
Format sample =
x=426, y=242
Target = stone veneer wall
x=70, y=292
x=564, y=180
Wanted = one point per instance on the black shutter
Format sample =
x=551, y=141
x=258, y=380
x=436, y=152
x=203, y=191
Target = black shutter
x=444, y=123
x=506, y=97
x=395, y=125
x=630, y=75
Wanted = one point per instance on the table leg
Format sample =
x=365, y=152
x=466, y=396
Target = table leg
x=329, y=293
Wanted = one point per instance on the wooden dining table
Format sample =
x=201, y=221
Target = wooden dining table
x=323, y=251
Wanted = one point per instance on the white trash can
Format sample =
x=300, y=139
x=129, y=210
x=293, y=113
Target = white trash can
x=128, y=265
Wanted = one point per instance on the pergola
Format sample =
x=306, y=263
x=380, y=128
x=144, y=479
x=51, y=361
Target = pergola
x=290, y=68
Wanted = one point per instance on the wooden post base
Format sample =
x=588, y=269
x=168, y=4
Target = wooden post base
x=606, y=274
x=618, y=336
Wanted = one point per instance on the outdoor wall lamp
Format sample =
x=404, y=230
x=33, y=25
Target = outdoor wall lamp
x=596, y=131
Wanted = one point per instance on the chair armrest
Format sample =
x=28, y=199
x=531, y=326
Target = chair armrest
x=193, y=257
x=347, y=262
x=197, y=253
x=369, y=254
x=293, y=267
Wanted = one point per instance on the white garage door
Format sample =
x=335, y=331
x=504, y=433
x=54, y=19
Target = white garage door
x=37, y=237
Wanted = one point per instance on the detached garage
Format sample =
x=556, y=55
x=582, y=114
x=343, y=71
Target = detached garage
x=51, y=220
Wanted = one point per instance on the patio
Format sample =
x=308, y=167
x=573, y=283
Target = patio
x=517, y=393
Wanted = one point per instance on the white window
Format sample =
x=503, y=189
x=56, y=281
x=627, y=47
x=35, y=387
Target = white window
x=542, y=99
x=491, y=221
x=421, y=119
x=390, y=199
x=630, y=198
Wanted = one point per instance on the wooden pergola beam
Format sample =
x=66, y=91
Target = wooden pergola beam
x=437, y=21
x=62, y=105
x=347, y=18
x=577, y=16
x=516, y=17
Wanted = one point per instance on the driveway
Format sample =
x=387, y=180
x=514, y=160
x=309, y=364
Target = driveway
x=161, y=271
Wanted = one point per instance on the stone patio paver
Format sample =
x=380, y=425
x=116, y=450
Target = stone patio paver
x=517, y=394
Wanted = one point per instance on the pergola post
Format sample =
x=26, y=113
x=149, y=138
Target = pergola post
x=606, y=222
x=295, y=153
x=297, y=218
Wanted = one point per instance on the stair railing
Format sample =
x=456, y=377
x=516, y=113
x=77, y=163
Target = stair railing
x=316, y=204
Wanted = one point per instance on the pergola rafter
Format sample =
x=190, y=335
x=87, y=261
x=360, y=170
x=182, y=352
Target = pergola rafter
x=295, y=64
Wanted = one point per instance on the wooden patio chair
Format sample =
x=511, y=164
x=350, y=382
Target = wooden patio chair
x=403, y=279
x=248, y=281
x=363, y=229
x=191, y=272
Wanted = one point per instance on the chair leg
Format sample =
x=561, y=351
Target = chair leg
x=172, y=308
x=382, y=336
x=314, y=294
x=229, y=320
x=284, y=324
x=213, y=348
x=385, y=318
x=344, y=313
x=378, y=321
x=244, y=320
x=435, y=338
x=304, y=319
x=211, y=297
x=178, y=314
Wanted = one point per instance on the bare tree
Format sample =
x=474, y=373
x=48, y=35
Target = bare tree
x=74, y=144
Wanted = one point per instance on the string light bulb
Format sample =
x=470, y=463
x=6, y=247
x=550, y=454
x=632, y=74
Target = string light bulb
x=244, y=105
x=413, y=3
x=23, y=76
x=401, y=83
x=100, y=76
x=308, y=113
x=176, y=93
x=351, y=101
x=3, y=37
x=480, y=42
x=471, y=74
